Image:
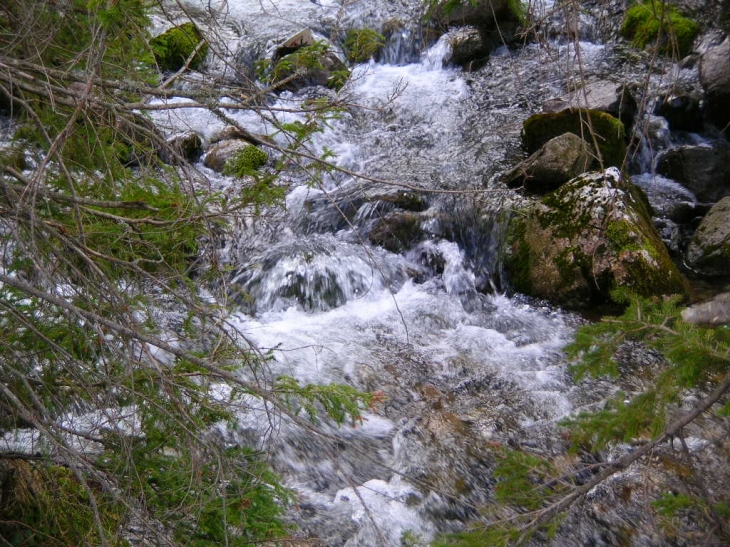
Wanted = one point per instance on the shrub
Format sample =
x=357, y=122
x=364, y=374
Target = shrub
x=360, y=45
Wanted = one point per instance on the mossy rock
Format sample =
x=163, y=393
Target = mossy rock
x=592, y=235
x=361, y=45
x=397, y=232
x=173, y=47
x=610, y=133
x=246, y=161
x=656, y=22
x=315, y=65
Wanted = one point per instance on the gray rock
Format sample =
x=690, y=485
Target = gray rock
x=715, y=79
x=396, y=232
x=713, y=312
x=603, y=95
x=559, y=160
x=709, y=250
x=219, y=153
x=185, y=146
x=700, y=169
x=468, y=48
x=588, y=237
x=682, y=111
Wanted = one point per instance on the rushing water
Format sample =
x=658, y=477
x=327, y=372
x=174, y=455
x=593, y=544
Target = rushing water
x=460, y=364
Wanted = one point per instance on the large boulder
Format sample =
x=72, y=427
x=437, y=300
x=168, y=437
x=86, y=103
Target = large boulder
x=559, y=160
x=701, y=169
x=587, y=238
x=609, y=132
x=709, y=250
x=715, y=79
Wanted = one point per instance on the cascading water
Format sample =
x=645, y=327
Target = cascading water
x=457, y=368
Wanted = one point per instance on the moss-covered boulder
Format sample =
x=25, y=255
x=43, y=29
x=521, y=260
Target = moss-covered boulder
x=655, y=22
x=709, y=250
x=610, y=134
x=559, y=160
x=310, y=65
x=497, y=21
x=587, y=238
x=173, y=47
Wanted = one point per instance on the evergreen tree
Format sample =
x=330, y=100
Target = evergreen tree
x=116, y=367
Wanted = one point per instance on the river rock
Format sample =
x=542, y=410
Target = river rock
x=184, y=146
x=311, y=58
x=682, y=111
x=480, y=14
x=610, y=134
x=220, y=153
x=715, y=79
x=700, y=169
x=397, y=232
x=496, y=20
x=468, y=49
x=588, y=237
x=709, y=250
x=605, y=96
x=712, y=312
x=559, y=160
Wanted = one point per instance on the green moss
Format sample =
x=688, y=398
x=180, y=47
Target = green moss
x=360, y=45
x=654, y=22
x=173, y=47
x=519, y=260
x=610, y=133
x=246, y=162
x=311, y=61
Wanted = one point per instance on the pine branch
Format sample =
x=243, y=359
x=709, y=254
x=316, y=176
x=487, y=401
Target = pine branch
x=543, y=516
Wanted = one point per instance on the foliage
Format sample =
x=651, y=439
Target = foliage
x=537, y=490
x=655, y=22
x=173, y=47
x=118, y=371
x=30, y=517
x=360, y=45
x=339, y=402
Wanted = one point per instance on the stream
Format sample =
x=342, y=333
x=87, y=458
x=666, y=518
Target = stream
x=461, y=362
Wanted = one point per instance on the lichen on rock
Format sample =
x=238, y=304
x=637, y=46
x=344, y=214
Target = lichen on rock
x=587, y=238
